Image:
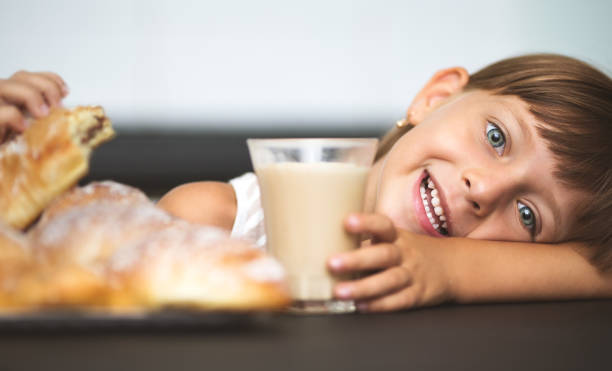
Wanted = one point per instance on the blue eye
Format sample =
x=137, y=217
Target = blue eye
x=526, y=216
x=496, y=138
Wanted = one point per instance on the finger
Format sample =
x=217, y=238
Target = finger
x=11, y=117
x=374, y=257
x=23, y=95
x=50, y=89
x=401, y=299
x=380, y=226
x=58, y=80
x=375, y=285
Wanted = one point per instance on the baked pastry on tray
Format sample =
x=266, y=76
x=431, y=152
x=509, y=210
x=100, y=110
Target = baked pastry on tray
x=107, y=247
x=14, y=262
x=47, y=159
x=25, y=284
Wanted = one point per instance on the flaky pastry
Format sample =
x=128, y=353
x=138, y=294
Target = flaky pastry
x=47, y=159
x=14, y=262
x=117, y=251
x=100, y=192
x=196, y=267
x=26, y=284
x=106, y=246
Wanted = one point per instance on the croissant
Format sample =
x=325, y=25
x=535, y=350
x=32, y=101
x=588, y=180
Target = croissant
x=27, y=285
x=47, y=159
x=102, y=192
x=14, y=262
x=107, y=247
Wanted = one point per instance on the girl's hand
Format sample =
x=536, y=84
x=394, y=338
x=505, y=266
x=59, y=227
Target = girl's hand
x=28, y=94
x=406, y=270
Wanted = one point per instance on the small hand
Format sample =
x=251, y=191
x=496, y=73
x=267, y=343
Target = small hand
x=404, y=269
x=28, y=94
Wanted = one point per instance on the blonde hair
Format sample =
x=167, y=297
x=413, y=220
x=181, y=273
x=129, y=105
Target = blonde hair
x=574, y=102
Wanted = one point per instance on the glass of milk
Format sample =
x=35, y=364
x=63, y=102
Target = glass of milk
x=308, y=187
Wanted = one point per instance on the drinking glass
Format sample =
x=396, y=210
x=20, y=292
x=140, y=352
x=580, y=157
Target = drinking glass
x=308, y=186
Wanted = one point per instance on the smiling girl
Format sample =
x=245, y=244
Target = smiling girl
x=495, y=187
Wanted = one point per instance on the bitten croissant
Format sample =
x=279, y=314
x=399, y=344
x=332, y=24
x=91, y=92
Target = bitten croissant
x=48, y=159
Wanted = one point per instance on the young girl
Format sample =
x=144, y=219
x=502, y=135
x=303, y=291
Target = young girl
x=517, y=152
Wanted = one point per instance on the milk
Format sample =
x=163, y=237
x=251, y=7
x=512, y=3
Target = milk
x=305, y=205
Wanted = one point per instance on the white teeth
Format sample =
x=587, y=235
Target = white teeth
x=438, y=221
x=438, y=210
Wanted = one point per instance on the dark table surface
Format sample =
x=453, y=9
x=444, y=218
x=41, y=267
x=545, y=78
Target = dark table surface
x=533, y=336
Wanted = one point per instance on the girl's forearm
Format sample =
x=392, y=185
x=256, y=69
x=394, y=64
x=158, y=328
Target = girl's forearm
x=505, y=271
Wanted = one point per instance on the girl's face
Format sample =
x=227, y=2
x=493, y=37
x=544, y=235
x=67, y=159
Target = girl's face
x=474, y=167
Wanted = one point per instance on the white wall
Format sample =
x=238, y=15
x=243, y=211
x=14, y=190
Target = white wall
x=280, y=62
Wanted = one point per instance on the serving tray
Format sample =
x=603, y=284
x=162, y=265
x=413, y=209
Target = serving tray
x=165, y=319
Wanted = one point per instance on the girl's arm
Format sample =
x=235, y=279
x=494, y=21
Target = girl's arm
x=504, y=271
x=414, y=270
x=208, y=203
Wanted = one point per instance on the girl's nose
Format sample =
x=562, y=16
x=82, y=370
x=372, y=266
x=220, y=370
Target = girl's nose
x=484, y=189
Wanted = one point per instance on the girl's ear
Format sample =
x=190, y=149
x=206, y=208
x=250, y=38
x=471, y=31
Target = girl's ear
x=441, y=86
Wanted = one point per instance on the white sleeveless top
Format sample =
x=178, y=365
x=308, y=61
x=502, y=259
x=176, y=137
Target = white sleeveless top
x=249, y=222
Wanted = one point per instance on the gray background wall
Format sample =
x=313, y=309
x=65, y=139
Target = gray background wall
x=236, y=64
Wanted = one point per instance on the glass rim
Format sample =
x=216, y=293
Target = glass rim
x=291, y=142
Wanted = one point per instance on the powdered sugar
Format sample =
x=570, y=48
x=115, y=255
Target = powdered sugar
x=116, y=189
x=88, y=189
x=179, y=242
x=265, y=269
x=57, y=230
x=13, y=151
x=15, y=147
x=97, y=223
x=112, y=192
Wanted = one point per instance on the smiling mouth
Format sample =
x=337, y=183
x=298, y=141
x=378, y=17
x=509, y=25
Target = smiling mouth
x=433, y=206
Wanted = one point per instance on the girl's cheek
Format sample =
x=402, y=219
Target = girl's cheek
x=395, y=208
